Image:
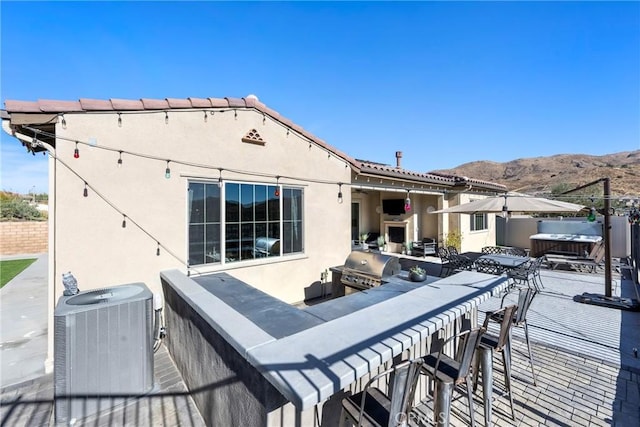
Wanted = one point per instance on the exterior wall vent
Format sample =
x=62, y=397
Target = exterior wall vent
x=103, y=349
x=253, y=137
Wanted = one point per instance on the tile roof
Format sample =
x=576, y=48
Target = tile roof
x=249, y=102
x=434, y=178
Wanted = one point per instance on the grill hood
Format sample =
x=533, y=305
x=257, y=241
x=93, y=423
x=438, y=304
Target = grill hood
x=372, y=264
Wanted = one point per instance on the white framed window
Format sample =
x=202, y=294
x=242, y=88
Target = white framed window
x=479, y=222
x=255, y=221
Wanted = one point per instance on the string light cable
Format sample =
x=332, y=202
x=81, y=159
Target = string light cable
x=207, y=112
x=126, y=218
x=164, y=160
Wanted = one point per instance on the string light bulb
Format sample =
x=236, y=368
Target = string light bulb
x=63, y=122
x=85, y=193
x=158, y=249
x=340, y=192
x=592, y=212
x=119, y=159
x=206, y=117
x=166, y=118
x=167, y=171
x=76, y=152
x=277, y=192
x=220, y=178
x=124, y=221
x=119, y=120
x=407, y=203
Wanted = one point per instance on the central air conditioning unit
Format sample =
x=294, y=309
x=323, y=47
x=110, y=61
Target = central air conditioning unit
x=103, y=349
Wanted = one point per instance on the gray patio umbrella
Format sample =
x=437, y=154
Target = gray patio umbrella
x=513, y=202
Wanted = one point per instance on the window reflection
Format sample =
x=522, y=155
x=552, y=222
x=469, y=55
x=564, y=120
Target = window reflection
x=254, y=226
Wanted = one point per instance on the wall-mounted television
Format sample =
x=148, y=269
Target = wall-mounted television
x=393, y=206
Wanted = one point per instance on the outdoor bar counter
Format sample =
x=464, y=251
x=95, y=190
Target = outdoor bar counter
x=251, y=359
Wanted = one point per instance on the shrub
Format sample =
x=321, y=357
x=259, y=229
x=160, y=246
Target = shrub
x=453, y=238
x=16, y=208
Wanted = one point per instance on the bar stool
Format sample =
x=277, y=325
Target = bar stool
x=373, y=407
x=488, y=344
x=525, y=298
x=447, y=372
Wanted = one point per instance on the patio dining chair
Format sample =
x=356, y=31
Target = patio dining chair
x=459, y=263
x=492, y=250
x=445, y=269
x=516, y=251
x=449, y=372
x=488, y=266
x=373, y=407
x=528, y=273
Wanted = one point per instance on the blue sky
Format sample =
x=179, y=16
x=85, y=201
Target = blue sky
x=444, y=82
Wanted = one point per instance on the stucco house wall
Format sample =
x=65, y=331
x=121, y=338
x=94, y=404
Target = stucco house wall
x=91, y=242
x=472, y=240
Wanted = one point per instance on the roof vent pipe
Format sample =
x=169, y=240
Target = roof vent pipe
x=398, y=159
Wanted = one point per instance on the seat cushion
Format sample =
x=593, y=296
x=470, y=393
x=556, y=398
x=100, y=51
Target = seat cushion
x=448, y=369
x=490, y=341
x=377, y=406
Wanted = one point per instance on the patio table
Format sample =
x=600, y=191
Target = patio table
x=506, y=261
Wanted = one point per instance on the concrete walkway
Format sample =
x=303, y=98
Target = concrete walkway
x=23, y=322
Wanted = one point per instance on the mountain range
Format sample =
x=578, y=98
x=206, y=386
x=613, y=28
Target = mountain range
x=553, y=174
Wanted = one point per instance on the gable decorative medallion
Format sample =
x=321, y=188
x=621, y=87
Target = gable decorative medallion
x=253, y=137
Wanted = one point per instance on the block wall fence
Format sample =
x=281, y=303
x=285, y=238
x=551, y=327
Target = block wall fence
x=24, y=237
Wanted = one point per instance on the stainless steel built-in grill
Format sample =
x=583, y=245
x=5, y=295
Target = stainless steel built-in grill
x=366, y=269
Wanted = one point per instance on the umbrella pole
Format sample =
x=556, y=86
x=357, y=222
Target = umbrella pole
x=608, y=300
x=607, y=238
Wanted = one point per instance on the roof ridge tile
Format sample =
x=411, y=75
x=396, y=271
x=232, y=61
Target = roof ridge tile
x=219, y=102
x=200, y=102
x=127, y=104
x=57, y=106
x=154, y=104
x=89, y=104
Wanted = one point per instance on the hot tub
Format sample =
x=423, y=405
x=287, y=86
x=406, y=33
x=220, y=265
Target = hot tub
x=564, y=244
